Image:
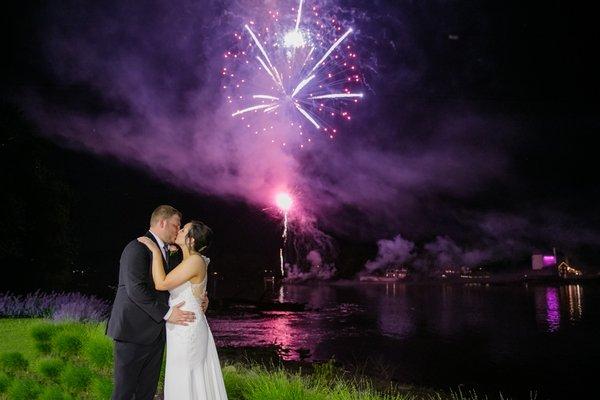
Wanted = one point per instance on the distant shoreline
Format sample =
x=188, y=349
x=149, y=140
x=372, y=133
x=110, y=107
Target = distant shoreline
x=491, y=280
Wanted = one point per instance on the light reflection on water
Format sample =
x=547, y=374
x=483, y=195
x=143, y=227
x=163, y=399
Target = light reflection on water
x=394, y=310
x=296, y=334
x=436, y=335
x=554, y=305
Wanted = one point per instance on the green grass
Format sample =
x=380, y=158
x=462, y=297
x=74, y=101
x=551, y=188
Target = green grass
x=76, y=363
x=15, y=335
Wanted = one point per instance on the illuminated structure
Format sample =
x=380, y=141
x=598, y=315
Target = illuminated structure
x=389, y=275
x=566, y=271
x=543, y=263
x=540, y=261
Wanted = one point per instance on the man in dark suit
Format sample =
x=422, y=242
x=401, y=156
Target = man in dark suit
x=139, y=313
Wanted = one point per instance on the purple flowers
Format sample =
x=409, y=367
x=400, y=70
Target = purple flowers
x=58, y=306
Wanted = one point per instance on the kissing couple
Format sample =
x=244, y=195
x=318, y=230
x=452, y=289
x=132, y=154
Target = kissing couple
x=161, y=297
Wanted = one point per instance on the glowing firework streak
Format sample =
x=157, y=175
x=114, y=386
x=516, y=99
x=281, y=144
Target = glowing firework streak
x=308, y=56
x=284, y=202
x=299, y=15
x=337, y=96
x=284, y=236
x=307, y=115
x=264, y=96
x=270, y=109
x=260, y=60
x=245, y=110
x=301, y=85
x=262, y=50
x=331, y=49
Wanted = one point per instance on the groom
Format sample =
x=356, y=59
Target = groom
x=139, y=313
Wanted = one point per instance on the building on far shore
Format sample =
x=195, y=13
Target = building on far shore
x=566, y=271
x=540, y=260
x=394, y=274
x=545, y=264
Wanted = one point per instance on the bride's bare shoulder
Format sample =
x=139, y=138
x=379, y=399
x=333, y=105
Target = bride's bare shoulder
x=198, y=260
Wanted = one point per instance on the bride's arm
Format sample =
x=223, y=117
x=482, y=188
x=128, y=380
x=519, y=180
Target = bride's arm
x=186, y=270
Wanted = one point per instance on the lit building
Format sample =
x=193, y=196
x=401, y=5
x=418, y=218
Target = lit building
x=397, y=273
x=565, y=270
x=540, y=261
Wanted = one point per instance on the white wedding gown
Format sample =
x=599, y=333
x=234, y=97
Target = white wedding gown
x=193, y=370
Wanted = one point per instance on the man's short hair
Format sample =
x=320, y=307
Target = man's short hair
x=163, y=212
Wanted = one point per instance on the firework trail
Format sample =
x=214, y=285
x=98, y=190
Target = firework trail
x=284, y=202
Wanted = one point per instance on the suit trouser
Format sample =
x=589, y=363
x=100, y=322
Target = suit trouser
x=137, y=369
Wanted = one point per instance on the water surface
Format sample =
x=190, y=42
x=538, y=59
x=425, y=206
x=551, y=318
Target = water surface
x=515, y=338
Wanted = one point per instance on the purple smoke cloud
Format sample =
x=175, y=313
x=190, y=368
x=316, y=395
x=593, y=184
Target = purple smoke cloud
x=147, y=91
x=390, y=253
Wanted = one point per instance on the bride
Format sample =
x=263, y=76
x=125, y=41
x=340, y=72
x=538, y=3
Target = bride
x=193, y=371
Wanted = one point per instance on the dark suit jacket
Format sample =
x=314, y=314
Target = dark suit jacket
x=138, y=312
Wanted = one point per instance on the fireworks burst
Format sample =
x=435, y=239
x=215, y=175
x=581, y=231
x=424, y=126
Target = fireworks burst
x=297, y=70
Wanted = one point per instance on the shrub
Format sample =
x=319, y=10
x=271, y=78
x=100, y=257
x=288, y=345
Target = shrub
x=43, y=347
x=58, y=306
x=67, y=345
x=325, y=373
x=33, y=305
x=82, y=308
x=24, y=389
x=43, y=332
x=13, y=362
x=102, y=388
x=4, y=382
x=281, y=386
x=98, y=351
x=76, y=378
x=234, y=382
x=50, y=368
x=52, y=393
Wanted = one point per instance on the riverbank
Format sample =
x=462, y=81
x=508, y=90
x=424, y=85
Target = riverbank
x=40, y=359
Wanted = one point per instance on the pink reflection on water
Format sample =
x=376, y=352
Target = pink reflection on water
x=557, y=305
x=285, y=330
x=552, y=309
x=280, y=332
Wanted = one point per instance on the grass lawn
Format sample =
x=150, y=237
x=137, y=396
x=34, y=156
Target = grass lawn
x=15, y=336
x=44, y=360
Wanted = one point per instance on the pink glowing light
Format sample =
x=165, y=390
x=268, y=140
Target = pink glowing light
x=284, y=201
x=548, y=261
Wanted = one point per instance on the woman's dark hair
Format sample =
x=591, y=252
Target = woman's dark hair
x=201, y=234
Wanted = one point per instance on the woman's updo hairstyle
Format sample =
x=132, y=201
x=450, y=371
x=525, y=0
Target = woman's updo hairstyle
x=201, y=234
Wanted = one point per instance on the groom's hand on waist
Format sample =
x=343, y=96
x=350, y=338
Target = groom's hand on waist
x=179, y=316
x=204, y=303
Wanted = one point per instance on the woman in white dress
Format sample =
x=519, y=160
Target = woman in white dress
x=193, y=371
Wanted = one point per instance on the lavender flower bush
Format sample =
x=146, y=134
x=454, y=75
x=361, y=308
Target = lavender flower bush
x=57, y=306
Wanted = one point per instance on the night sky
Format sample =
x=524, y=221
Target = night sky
x=474, y=144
